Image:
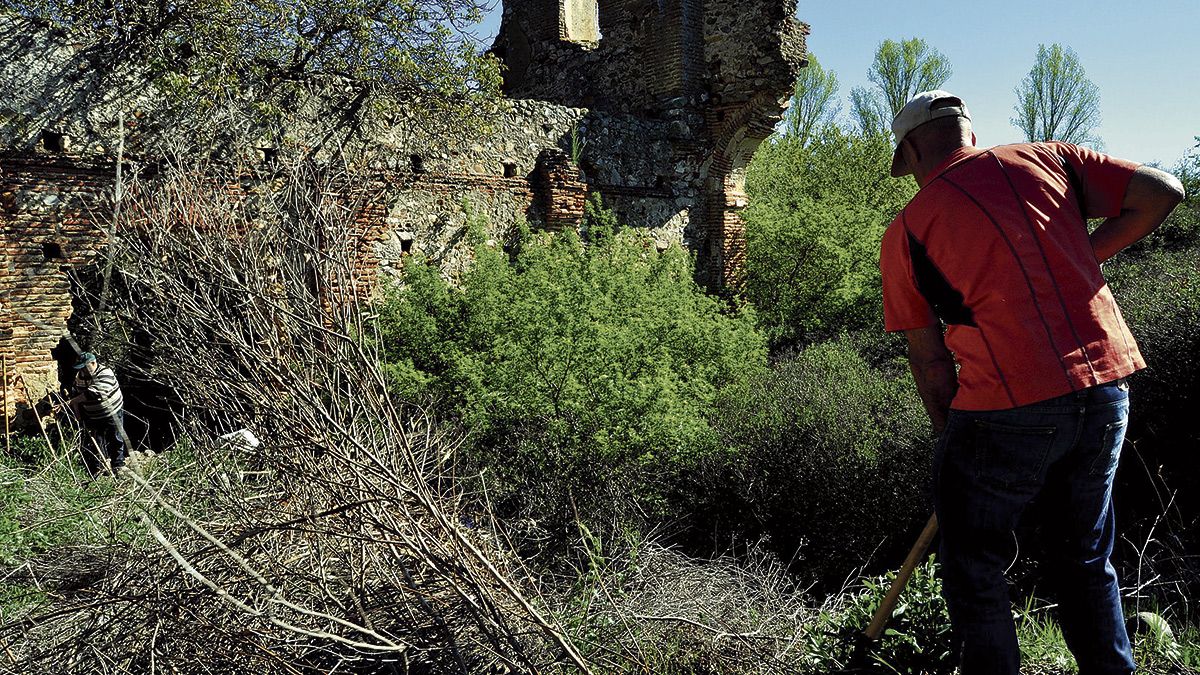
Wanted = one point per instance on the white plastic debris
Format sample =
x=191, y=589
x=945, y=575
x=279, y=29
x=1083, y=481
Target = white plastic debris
x=242, y=438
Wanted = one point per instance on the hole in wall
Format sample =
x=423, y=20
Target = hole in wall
x=416, y=163
x=52, y=251
x=406, y=243
x=54, y=141
x=510, y=169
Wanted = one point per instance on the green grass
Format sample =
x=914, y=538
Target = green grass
x=1043, y=649
x=49, y=503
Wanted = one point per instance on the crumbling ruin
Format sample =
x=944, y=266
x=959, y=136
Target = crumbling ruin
x=663, y=102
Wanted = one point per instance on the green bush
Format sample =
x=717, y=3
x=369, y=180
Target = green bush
x=1182, y=227
x=917, y=639
x=582, y=371
x=1158, y=290
x=813, y=229
x=828, y=457
x=813, y=269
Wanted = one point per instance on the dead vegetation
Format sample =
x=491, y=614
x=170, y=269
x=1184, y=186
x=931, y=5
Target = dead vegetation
x=333, y=546
x=341, y=543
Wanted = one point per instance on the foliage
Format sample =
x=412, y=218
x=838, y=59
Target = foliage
x=43, y=509
x=812, y=105
x=361, y=56
x=813, y=228
x=1056, y=100
x=1182, y=227
x=899, y=71
x=917, y=639
x=819, y=451
x=812, y=269
x=583, y=371
x=1158, y=290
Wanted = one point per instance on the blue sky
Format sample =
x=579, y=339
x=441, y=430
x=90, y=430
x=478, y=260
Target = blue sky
x=1143, y=56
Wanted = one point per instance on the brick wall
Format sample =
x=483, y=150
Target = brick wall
x=50, y=207
x=47, y=208
x=563, y=191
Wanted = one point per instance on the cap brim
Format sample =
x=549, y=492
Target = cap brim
x=899, y=166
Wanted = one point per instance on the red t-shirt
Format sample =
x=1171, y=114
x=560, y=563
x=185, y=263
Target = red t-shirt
x=996, y=247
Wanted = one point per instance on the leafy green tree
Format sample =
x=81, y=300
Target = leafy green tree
x=358, y=56
x=900, y=70
x=1056, y=101
x=1183, y=225
x=582, y=371
x=813, y=105
x=813, y=228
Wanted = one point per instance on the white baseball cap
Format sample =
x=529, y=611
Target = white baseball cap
x=918, y=111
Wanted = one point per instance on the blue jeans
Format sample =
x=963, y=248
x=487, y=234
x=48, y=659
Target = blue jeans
x=108, y=441
x=988, y=467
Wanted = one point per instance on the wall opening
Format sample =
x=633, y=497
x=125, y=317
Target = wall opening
x=510, y=169
x=581, y=21
x=54, y=141
x=52, y=251
x=416, y=163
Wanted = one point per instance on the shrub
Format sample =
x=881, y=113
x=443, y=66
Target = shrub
x=917, y=639
x=813, y=229
x=1182, y=227
x=813, y=269
x=582, y=371
x=827, y=456
x=1158, y=290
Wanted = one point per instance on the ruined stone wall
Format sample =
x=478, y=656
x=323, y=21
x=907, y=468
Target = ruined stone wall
x=661, y=101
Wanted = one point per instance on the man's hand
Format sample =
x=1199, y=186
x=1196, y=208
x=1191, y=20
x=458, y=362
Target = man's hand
x=933, y=368
x=1149, y=199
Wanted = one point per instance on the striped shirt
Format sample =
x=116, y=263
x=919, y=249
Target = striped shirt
x=995, y=246
x=102, y=394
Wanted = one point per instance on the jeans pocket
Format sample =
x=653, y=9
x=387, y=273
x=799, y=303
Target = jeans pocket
x=1105, y=462
x=1010, y=456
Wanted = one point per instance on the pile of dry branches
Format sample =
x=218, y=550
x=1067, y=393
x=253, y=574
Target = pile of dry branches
x=305, y=521
x=335, y=545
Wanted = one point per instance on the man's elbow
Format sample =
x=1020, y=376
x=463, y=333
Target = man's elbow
x=1165, y=189
x=1177, y=193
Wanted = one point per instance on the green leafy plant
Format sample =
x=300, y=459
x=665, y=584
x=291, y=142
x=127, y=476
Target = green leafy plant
x=917, y=640
x=813, y=229
x=816, y=453
x=583, y=371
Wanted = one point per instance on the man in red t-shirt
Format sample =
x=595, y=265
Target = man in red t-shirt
x=1025, y=384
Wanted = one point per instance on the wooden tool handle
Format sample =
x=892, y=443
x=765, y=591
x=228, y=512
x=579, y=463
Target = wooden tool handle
x=884, y=613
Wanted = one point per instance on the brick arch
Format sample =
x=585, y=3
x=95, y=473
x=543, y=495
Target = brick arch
x=742, y=129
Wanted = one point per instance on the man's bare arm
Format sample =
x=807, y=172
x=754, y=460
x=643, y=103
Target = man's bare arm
x=933, y=369
x=1149, y=199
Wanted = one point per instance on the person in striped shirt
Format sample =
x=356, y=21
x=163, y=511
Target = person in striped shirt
x=98, y=402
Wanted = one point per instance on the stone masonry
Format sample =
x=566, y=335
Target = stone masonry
x=663, y=102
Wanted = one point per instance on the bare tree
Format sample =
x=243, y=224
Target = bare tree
x=900, y=70
x=813, y=102
x=1056, y=100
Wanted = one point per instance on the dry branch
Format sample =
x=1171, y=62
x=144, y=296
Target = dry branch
x=335, y=545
